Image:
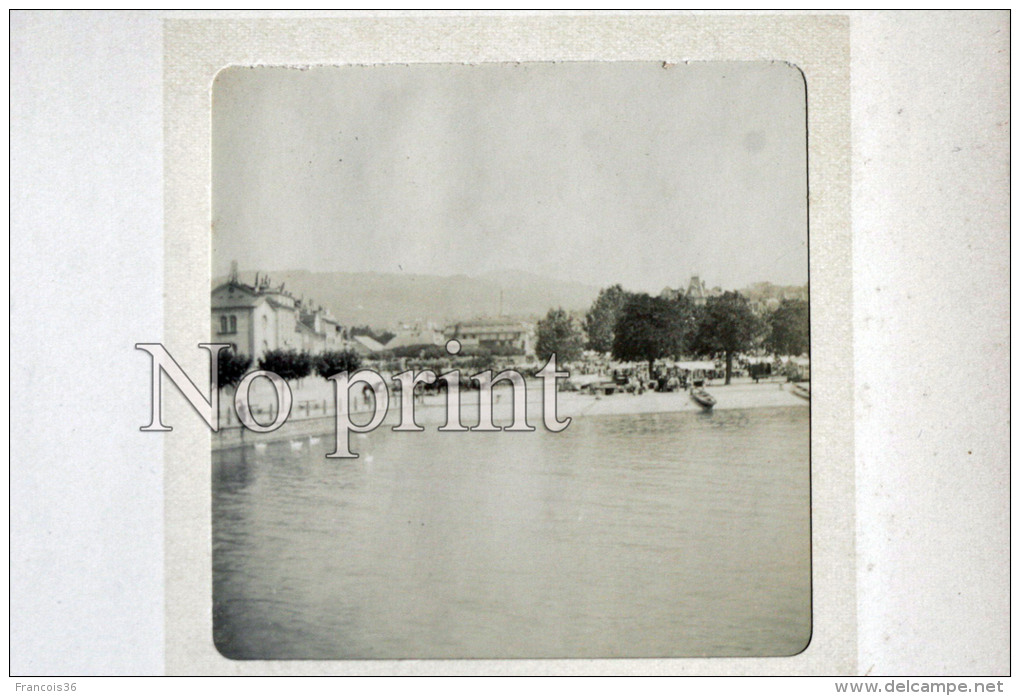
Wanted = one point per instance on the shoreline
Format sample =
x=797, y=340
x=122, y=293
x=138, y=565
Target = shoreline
x=431, y=410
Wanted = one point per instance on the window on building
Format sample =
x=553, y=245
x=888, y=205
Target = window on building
x=233, y=324
x=223, y=324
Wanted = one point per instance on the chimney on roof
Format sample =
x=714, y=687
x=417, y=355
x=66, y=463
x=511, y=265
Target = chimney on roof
x=233, y=271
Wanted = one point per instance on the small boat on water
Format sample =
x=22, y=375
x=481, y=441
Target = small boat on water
x=703, y=398
x=801, y=390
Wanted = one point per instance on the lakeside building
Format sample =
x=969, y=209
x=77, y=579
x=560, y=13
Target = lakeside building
x=319, y=329
x=500, y=335
x=418, y=334
x=260, y=317
x=764, y=297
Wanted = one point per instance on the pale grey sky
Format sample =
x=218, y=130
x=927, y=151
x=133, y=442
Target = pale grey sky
x=603, y=173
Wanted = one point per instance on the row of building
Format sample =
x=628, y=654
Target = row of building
x=256, y=318
x=260, y=317
x=763, y=297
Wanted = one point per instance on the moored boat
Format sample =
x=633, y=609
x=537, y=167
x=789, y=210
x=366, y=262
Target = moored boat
x=703, y=398
x=801, y=390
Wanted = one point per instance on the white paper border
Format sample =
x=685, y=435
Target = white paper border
x=819, y=45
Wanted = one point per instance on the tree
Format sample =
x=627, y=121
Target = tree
x=559, y=333
x=422, y=351
x=231, y=367
x=336, y=361
x=505, y=351
x=726, y=326
x=789, y=328
x=600, y=320
x=478, y=358
x=650, y=328
x=288, y=364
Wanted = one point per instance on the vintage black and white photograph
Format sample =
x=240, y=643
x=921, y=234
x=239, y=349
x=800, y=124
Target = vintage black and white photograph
x=517, y=364
x=396, y=343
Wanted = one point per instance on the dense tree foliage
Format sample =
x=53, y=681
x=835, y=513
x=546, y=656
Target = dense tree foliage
x=334, y=362
x=789, y=328
x=726, y=326
x=561, y=334
x=600, y=320
x=231, y=367
x=424, y=351
x=649, y=328
x=478, y=358
x=289, y=364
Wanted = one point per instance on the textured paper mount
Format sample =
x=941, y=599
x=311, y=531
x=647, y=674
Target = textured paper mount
x=195, y=50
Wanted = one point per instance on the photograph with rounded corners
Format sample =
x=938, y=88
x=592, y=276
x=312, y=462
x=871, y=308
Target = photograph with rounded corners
x=514, y=361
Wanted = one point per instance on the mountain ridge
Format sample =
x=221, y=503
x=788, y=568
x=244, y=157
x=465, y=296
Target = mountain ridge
x=385, y=300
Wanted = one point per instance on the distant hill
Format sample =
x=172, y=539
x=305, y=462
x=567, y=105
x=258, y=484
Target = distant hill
x=386, y=299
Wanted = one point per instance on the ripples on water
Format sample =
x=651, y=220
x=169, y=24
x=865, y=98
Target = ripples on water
x=664, y=535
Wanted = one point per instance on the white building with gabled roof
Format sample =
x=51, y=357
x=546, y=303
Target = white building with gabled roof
x=499, y=334
x=261, y=317
x=254, y=318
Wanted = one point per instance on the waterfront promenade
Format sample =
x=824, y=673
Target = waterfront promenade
x=313, y=414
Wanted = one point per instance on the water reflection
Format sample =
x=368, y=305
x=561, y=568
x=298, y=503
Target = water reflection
x=651, y=535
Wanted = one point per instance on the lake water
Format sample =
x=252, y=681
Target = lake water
x=655, y=535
